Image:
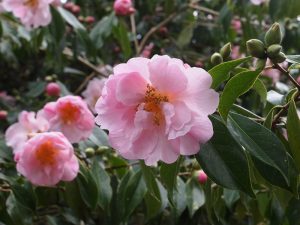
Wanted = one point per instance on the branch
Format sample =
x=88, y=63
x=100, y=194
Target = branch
x=133, y=30
x=203, y=9
x=281, y=69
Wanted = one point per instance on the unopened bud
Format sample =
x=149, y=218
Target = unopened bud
x=53, y=89
x=201, y=176
x=216, y=59
x=102, y=149
x=273, y=35
x=274, y=50
x=90, y=152
x=3, y=115
x=256, y=48
x=279, y=58
x=226, y=50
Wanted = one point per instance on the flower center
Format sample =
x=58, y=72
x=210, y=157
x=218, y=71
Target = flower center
x=152, y=103
x=69, y=113
x=31, y=3
x=46, y=153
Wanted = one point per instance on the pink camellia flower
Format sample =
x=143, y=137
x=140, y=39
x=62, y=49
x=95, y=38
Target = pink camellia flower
x=157, y=109
x=71, y=116
x=32, y=13
x=257, y=2
x=28, y=124
x=93, y=92
x=123, y=7
x=48, y=158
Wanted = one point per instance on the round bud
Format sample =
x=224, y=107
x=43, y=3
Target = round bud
x=216, y=59
x=90, y=19
x=101, y=150
x=163, y=31
x=53, y=89
x=256, y=48
x=89, y=152
x=274, y=50
x=69, y=5
x=226, y=50
x=3, y=114
x=76, y=9
x=81, y=19
x=201, y=176
x=273, y=35
x=279, y=58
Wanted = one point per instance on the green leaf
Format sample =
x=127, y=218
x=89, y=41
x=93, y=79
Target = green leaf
x=179, y=198
x=88, y=187
x=24, y=194
x=103, y=29
x=186, y=35
x=121, y=34
x=260, y=142
x=293, y=130
x=224, y=160
x=73, y=198
x=293, y=58
x=70, y=19
x=195, y=196
x=103, y=182
x=235, y=87
x=269, y=118
x=57, y=26
x=36, y=89
x=135, y=193
x=261, y=89
x=168, y=174
x=220, y=73
x=156, y=197
x=230, y=197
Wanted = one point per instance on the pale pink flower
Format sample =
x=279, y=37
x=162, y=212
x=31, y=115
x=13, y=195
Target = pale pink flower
x=146, y=53
x=236, y=24
x=28, y=124
x=7, y=98
x=32, y=13
x=123, y=7
x=257, y=2
x=157, y=109
x=235, y=52
x=71, y=116
x=48, y=158
x=93, y=92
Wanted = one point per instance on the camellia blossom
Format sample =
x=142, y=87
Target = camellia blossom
x=71, y=116
x=32, y=13
x=157, y=109
x=93, y=91
x=123, y=7
x=257, y=2
x=28, y=124
x=48, y=158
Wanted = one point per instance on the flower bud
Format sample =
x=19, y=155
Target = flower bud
x=53, y=89
x=279, y=58
x=76, y=9
x=226, y=50
x=260, y=64
x=90, y=19
x=274, y=50
x=256, y=48
x=90, y=152
x=123, y=7
x=216, y=59
x=3, y=115
x=273, y=35
x=201, y=176
x=102, y=149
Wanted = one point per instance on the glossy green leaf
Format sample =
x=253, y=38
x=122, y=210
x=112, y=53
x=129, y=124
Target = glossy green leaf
x=293, y=130
x=186, y=35
x=179, y=198
x=261, y=89
x=70, y=19
x=57, y=26
x=260, y=142
x=235, y=87
x=103, y=182
x=195, y=197
x=73, y=198
x=168, y=174
x=220, y=73
x=224, y=160
x=135, y=193
x=121, y=34
x=24, y=194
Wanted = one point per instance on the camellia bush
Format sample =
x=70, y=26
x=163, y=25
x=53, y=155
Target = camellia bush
x=149, y=112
